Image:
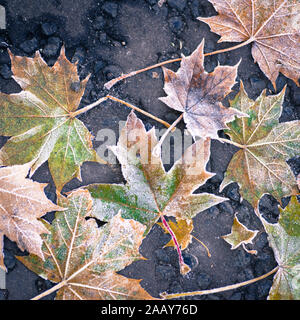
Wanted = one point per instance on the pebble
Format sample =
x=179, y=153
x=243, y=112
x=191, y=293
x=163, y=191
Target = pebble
x=29, y=46
x=42, y=285
x=9, y=260
x=99, y=65
x=50, y=50
x=232, y=192
x=79, y=55
x=236, y=296
x=177, y=4
x=176, y=24
x=263, y=288
x=261, y=241
x=203, y=280
x=165, y=273
x=245, y=274
x=161, y=256
x=99, y=23
x=194, y=7
x=110, y=8
x=112, y=71
x=4, y=56
x=3, y=294
x=152, y=2
x=296, y=96
x=257, y=83
x=242, y=258
x=190, y=260
x=5, y=71
x=175, y=287
x=49, y=28
x=102, y=37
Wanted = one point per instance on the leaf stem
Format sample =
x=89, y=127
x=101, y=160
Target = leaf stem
x=231, y=142
x=88, y=107
x=184, y=268
x=108, y=85
x=215, y=290
x=47, y=292
x=139, y=110
x=207, y=250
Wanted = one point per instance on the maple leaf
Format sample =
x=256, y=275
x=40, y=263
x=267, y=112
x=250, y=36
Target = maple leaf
x=22, y=202
x=260, y=167
x=273, y=28
x=40, y=119
x=240, y=235
x=285, y=242
x=83, y=259
x=151, y=192
x=198, y=94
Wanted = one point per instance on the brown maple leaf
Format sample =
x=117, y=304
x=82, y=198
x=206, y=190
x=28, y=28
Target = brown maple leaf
x=198, y=94
x=272, y=26
x=22, y=202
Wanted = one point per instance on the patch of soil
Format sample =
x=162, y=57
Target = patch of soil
x=111, y=37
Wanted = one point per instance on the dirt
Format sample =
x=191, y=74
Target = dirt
x=111, y=37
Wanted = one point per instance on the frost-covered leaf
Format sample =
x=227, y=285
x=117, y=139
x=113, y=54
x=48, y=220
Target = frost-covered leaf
x=150, y=191
x=22, y=203
x=260, y=167
x=83, y=259
x=239, y=235
x=272, y=26
x=284, y=238
x=39, y=119
x=182, y=229
x=198, y=94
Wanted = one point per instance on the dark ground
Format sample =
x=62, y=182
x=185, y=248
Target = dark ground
x=108, y=38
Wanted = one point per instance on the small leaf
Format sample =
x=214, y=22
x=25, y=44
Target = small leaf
x=260, y=167
x=182, y=229
x=39, y=119
x=22, y=203
x=239, y=235
x=285, y=242
x=83, y=259
x=272, y=26
x=198, y=94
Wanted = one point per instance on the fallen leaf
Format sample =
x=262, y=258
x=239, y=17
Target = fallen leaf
x=240, y=235
x=290, y=217
x=198, y=94
x=285, y=242
x=22, y=203
x=83, y=259
x=182, y=229
x=260, y=167
x=273, y=28
x=39, y=119
x=150, y=191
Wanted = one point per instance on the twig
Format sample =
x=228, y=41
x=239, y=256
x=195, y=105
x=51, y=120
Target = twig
x=221, y=289
x=207, y=250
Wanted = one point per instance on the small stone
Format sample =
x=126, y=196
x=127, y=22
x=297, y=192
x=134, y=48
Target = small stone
x=50, y=50
x=177, y=4
x=226, y=207
x=75, y=86
x=4, y=56
x=79, y=55
x=203, y=280
x=42, y=285
x=251, y=292
x=29, y=46
x=263, y=288
x=245, y=274
x=257, y=83
x=161, y=256
x=3, y=294
x=110, y=8
x=236, y=296
x=49, y=28
x=190, y=260
x=232, y=192
x=99, y=65
x=194, y=6
x=166, y=273
x=99, y=23
x=152, y=2
x=9, y=260
x=261, y=241
x=176, y=24
x=175, y=287
x=5, y=71
x=242, y=258
x=296, y=96
x=102, y=37
x=112, y=71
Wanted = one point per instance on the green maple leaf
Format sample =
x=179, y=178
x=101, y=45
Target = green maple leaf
x=83, y=259
x=284, y=238
x=260, y=166
x=40, y=119
x=150, y=191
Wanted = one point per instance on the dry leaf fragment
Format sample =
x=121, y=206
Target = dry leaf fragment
x=284, y=238
x=83, y=259
x=273, y=26
x=260, y=167
x=40, y=119
x=22, y=203
x=240, y=235
x=198, y=94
